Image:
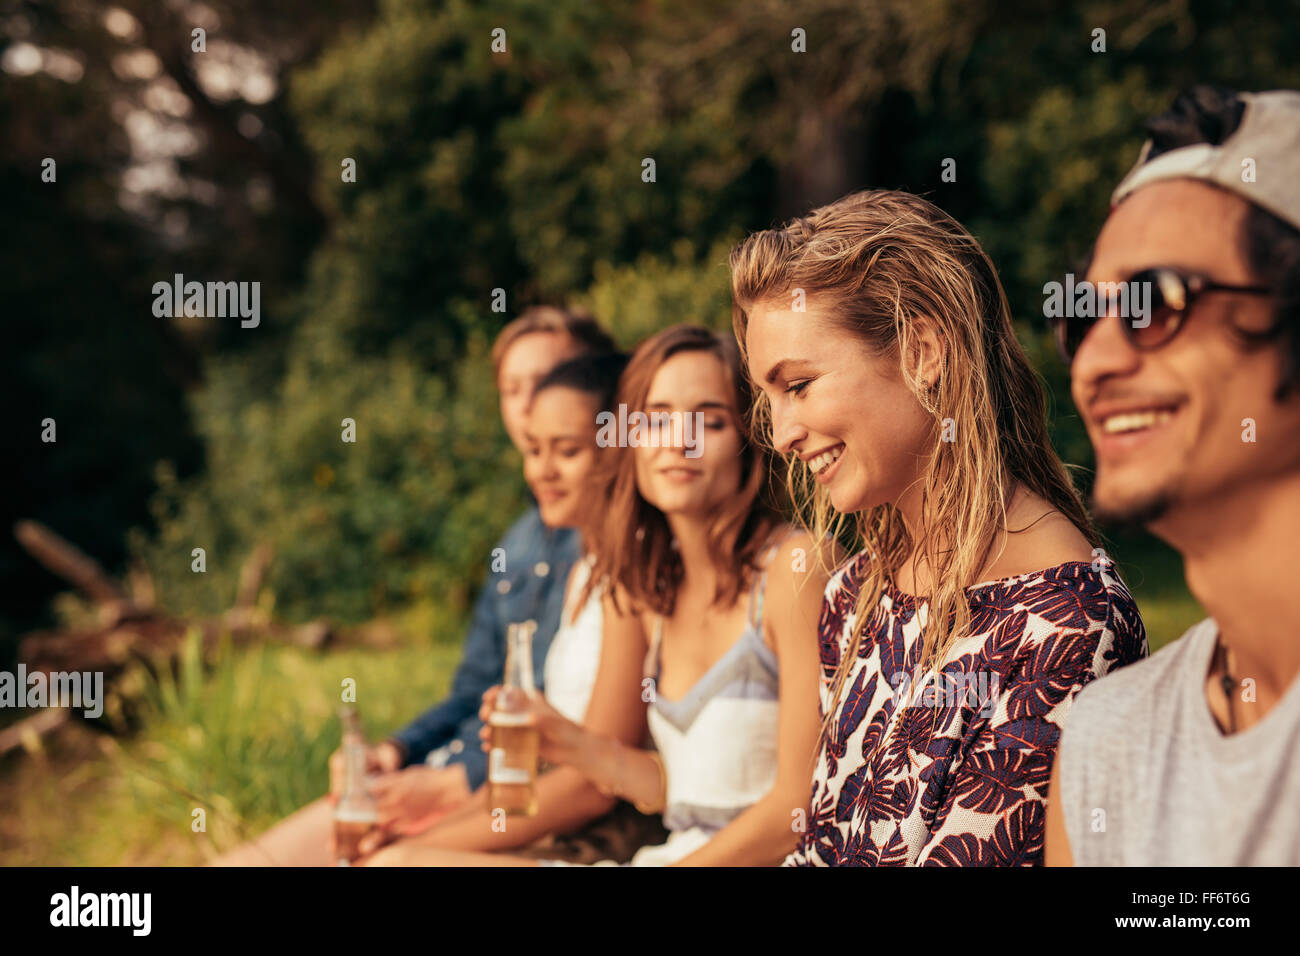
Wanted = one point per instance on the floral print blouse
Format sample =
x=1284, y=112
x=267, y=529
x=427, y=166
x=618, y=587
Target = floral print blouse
x=951, y=768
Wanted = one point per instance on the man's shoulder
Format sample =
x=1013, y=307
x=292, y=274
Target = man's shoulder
x=527, y=525
x=1133, y=690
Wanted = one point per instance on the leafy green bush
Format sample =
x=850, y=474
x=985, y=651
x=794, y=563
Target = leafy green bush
x=639, y=299
x=407, y=513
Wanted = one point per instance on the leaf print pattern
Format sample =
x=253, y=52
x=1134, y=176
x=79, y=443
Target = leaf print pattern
x=958, y=777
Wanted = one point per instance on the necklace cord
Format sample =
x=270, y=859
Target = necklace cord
x=1228, y=684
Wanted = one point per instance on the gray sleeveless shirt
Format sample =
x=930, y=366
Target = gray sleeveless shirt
x=1148, y=779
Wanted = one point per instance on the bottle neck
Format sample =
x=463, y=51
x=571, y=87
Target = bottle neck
x=519, y=658
x=354, y=759
x=354, y=795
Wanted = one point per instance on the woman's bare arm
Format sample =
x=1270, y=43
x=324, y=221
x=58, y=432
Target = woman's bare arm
x=767, y=831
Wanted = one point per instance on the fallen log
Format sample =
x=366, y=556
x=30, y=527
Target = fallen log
x=110, y=649
x=133, y=628
x=68, y=562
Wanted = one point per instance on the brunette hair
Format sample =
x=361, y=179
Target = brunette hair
x=636, y=552
x=594, y=375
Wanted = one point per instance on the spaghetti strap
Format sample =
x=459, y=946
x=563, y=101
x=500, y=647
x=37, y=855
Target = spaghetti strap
x=651, y=668
x=755, y=615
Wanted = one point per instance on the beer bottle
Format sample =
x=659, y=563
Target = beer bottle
x=356, y=813
x=512, y=759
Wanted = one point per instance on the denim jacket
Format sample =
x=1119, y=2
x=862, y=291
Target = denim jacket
x=531, y=586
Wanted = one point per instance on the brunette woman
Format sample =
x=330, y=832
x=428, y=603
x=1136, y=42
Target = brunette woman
x=710, y=629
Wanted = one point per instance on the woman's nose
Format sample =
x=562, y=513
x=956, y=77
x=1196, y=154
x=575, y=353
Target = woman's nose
x=786, y=430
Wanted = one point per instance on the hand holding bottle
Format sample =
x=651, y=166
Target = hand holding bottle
x=560, y=739
x=381, y=758
x=412, y=800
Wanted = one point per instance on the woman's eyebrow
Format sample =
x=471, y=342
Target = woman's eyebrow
x=664, y=406
x=782, y=368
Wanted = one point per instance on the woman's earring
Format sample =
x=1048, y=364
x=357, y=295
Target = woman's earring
x=930, y=398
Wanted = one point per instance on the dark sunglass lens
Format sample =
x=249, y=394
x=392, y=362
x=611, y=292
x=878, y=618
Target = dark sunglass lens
x=1157, y=300
x=1070, y=333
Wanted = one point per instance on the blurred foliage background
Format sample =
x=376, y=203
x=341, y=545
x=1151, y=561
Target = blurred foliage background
x=475, y=170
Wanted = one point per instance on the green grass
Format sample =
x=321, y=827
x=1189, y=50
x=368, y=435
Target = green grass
x=245, y=737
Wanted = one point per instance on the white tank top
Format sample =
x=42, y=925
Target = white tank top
x=571, y=664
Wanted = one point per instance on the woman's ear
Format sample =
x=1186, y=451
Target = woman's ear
x=928, y=352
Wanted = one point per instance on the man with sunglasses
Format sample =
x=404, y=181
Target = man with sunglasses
x=1192, y=757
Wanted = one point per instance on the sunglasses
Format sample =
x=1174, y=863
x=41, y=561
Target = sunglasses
x=1172, y=295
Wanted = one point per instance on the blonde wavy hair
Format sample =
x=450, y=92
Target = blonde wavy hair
x=876, y=262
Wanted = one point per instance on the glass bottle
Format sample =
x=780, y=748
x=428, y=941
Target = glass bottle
x=356, y=814
x=512, y=759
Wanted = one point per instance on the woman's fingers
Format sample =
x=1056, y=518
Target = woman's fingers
x=383, y=757
x=372, y=841
x=388, y=791
x=389, y=813
x=380, y=785
x=489, y=702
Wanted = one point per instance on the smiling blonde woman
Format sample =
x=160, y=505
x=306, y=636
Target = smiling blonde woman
x=953, y=643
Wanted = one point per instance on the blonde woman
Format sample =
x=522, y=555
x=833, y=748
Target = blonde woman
x=979, y=604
